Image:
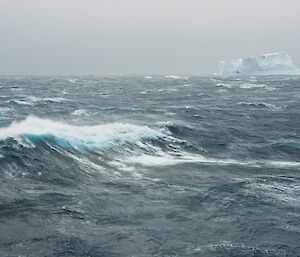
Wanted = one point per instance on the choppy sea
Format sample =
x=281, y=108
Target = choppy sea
x=149, y=166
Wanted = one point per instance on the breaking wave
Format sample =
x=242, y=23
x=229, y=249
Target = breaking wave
x=78, y=137
x=138, y=145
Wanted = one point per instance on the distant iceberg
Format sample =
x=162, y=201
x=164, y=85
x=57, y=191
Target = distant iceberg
x=267, y=64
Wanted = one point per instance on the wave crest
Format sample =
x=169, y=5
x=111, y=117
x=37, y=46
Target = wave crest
x=78, y=137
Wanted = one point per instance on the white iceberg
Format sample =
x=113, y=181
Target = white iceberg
x=267, y=64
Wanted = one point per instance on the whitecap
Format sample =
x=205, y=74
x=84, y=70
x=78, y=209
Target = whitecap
x=172, y=77
x=261, y=104
x=50, y=99
x=80, y=112
x=250, y=86
x=78, y=137
x=176, y=77
x=20, y=102
x=73, y=81
x=17, y=89
x=146, y=91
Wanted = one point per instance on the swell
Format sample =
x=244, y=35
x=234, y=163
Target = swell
x=119, y=146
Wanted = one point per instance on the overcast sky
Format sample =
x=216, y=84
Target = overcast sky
x=141, y=36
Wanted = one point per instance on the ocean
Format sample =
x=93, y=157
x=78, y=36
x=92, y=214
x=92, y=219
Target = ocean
x=149, y=166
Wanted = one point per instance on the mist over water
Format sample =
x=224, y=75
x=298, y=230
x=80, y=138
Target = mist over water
x=141, y=37
x=149, y=166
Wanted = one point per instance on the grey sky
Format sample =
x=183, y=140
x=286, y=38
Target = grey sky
x=141, y=36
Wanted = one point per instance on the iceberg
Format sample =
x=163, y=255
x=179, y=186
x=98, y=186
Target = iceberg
x=267, y=64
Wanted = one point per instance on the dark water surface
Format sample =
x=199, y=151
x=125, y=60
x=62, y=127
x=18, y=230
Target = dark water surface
x=149, y=166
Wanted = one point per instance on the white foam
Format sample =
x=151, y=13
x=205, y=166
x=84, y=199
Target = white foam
x=85, y=163
x=4, y=109
x=228, y=245
x=21, y=102
x=246, y=86
x=144, y=92
x=283, y=164
x=175, y=77
x=99, y=136
x=270, y=189
x=267, y=105
x=73, y=81
x=31, y=100
x=172, y=90
x=151, y=160
x=50, y=99
x=17, y=89
x=165, y=159
x=172, y=77
x=250, y=86
x=80, y=112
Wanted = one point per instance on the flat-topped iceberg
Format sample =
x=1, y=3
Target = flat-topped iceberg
x=267, y=64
